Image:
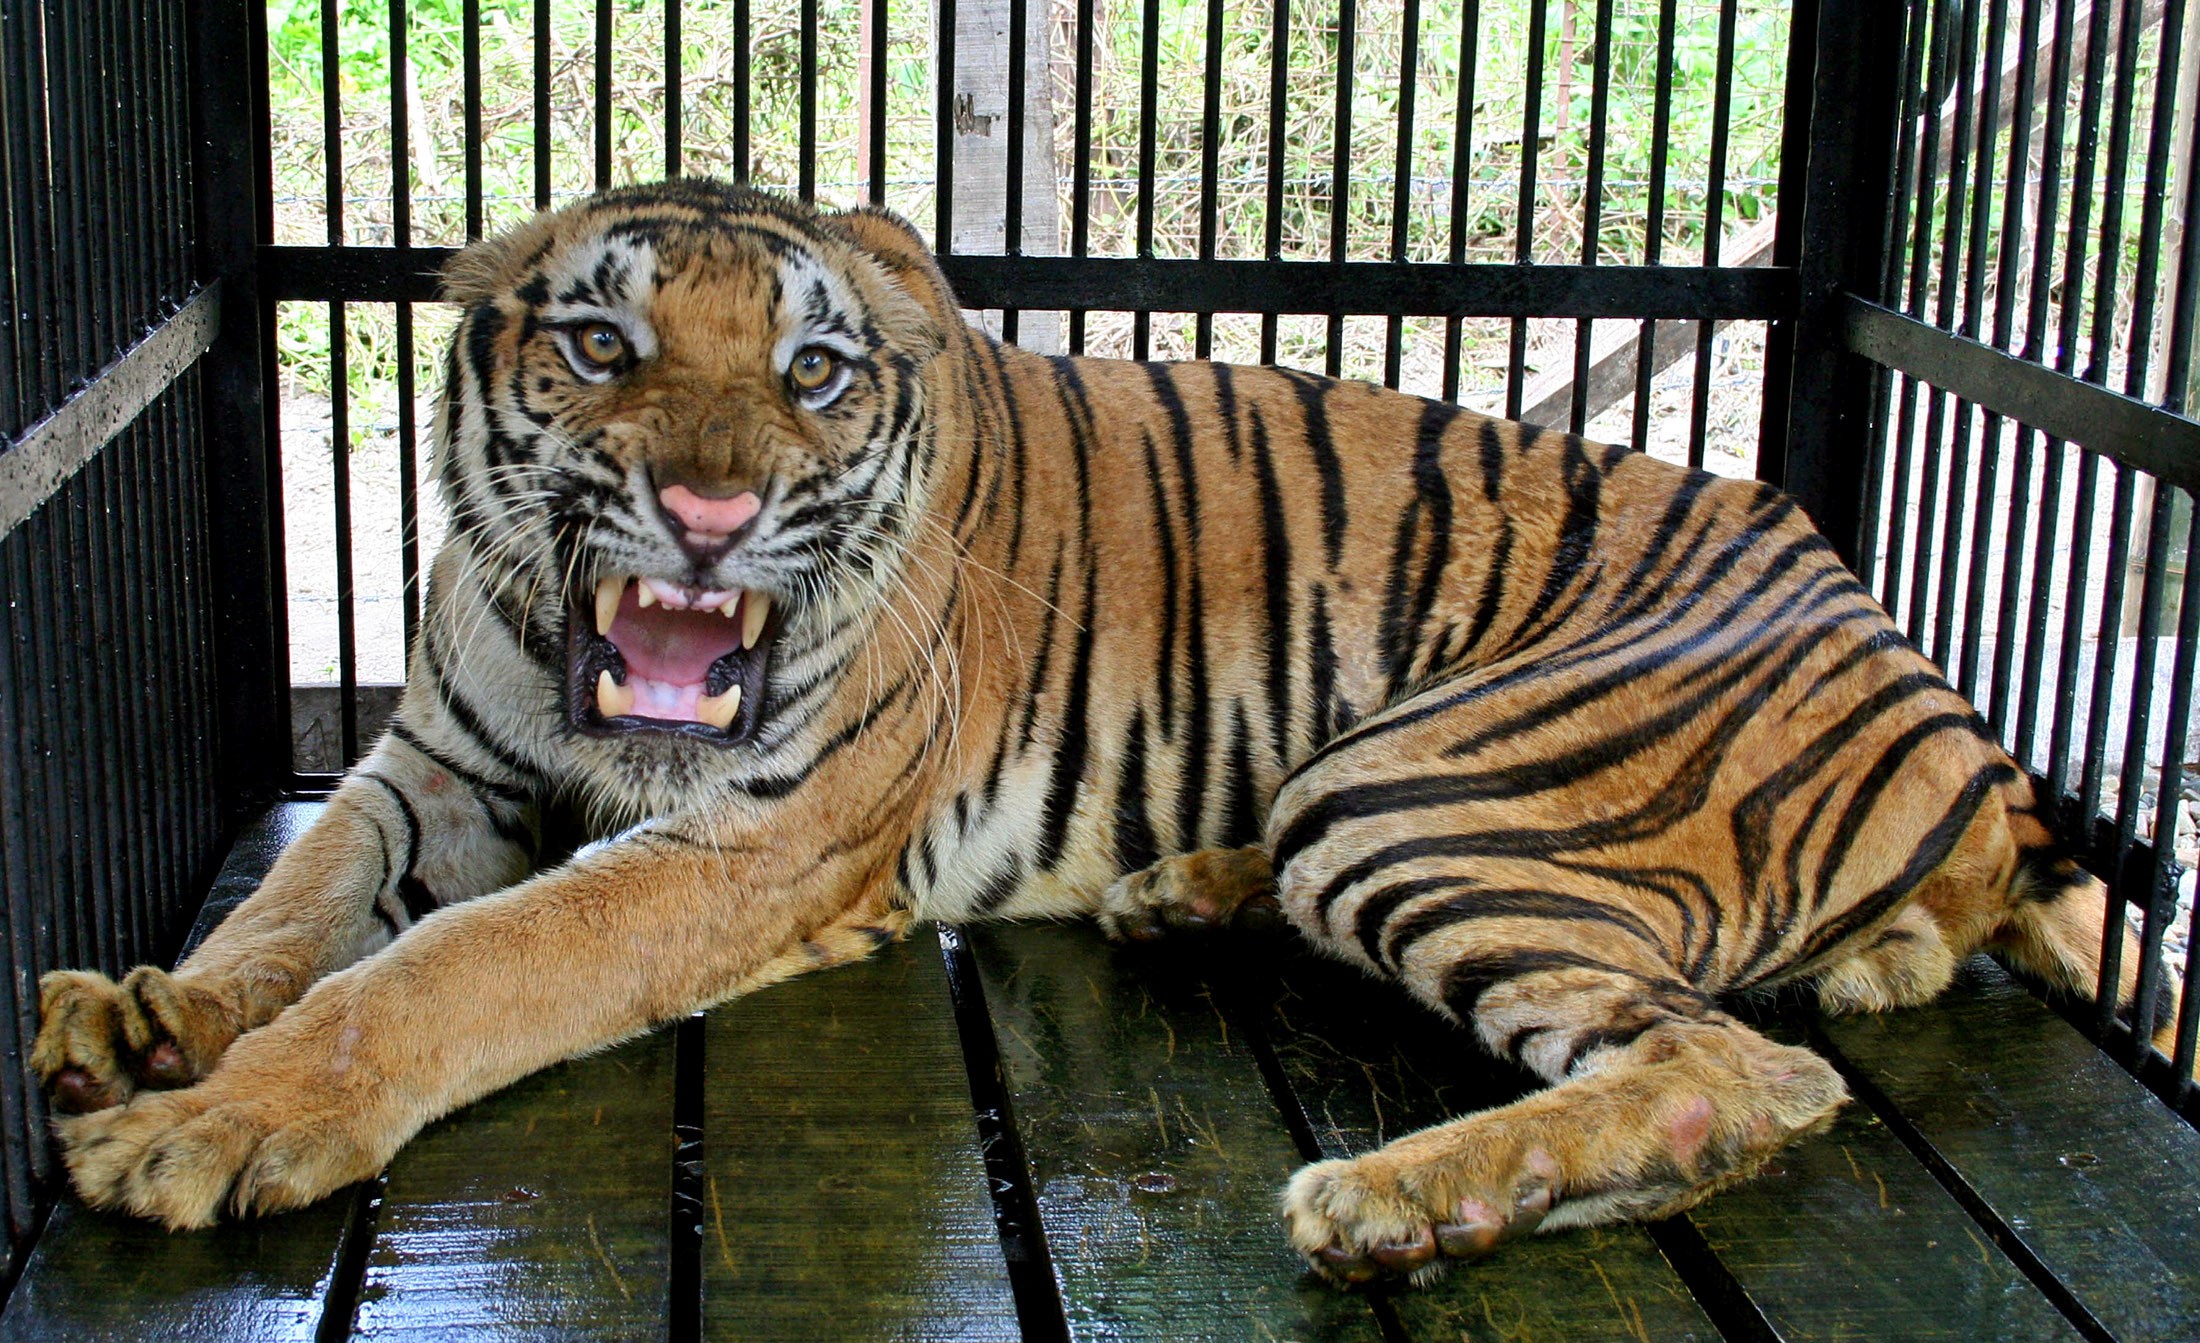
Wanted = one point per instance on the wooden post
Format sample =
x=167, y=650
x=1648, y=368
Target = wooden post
x=981, y=129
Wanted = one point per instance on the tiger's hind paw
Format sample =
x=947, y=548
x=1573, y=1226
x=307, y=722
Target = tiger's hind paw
x=1356, y=1222
x=99, y=1042
x=1189, y=892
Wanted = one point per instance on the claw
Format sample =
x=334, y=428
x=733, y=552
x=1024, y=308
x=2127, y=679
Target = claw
x=1342, y=1263
x=1406, y=1256
x=75, y=1092
x=1475, y=1234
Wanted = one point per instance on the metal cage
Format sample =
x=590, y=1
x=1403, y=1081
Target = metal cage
x=1966, y=274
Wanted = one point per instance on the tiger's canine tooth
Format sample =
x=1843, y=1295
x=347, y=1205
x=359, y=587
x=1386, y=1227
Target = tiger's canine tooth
x=756, y=608
x=608, y=592
x=720, y=710
x=645, y=595
x=612, y=699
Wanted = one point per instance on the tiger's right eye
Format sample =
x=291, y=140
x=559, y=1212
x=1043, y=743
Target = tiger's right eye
x=600, y=344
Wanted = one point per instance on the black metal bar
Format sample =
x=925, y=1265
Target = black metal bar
x=1149, y=98
x=675, y=94
x=1401, y=191
x=339, y=456
x=1012, y=239
x=234, y=214
x=39, y=463
x=2052, y=456
x=876, y=169
x=806, y=166
x=2146, y=437
x=1653, y=245
x=943, y=75
x=1462, y=161
x=1516, y=364
x=408, y=481
x=1592, y=214
x=2093, y=90
x=1165, y=284
x=1884, y=477
x=1210, y=164
x=1818, y=418
x=1340, y=170
x=603, y=91
x=1714, y=223
x=1972, y=628
x=1279, y=93
x=2016, y=521
x=470, y=61
x=542, y=104
x=742, y=102
x=1080, y=205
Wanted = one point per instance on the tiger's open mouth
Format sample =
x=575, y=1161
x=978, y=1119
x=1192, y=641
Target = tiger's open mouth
x=652, y=656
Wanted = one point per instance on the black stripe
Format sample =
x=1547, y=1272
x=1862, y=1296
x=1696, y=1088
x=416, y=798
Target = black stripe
x=1276, y=549
x=1135, y=847
x=1313, y=394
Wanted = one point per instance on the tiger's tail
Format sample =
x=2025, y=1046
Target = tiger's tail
x=2053, y=931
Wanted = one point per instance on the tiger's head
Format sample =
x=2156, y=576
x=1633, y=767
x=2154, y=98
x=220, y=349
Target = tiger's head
x=684, y=433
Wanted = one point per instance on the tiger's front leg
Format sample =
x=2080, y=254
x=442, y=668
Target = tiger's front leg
x=402, y=835
x=639, y=932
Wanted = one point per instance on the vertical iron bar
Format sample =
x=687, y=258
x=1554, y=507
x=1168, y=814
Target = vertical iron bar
x=542, y=104
x=1401, y=192
x=1653, y=247
x=943, y=74
x=2092, y=91
x=1462, y=163
x=1210, y=160
x=2021, y=500
x=806, y=169
x=1080, y=205
x=1714, y=224
x=1592, y=214
x=1149, y=99
x=339, y=455
x=877, y=167
x=1340, y=168
x=1279, y=93
x=603, y=92
x=1531, y=131
x=1974, y=302
x=470, y=59
x=742, y=104
x=1886, y=482
x=675, y=94
x=1012, y=241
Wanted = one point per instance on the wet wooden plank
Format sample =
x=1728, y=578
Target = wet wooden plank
x=104, y=1276
x=544, y=1209
x=845, y=1196
x=1846, y=1236
x=2092, y=1173
x=1369, y=1064
x=1156, y=1152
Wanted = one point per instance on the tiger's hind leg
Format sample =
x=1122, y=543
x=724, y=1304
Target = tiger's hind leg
x=1658, y=1101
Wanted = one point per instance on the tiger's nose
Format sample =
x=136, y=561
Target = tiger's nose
x=703, y=522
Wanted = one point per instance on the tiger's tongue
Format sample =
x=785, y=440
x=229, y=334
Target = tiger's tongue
x=671, y=648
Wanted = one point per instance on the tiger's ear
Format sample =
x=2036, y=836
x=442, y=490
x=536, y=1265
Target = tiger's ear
x=493, y=265
x=908, y=267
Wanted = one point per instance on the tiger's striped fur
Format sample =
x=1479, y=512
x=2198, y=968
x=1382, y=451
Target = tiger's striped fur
x=1569, y=741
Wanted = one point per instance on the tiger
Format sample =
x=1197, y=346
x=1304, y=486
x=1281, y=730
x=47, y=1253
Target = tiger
x=829, y=613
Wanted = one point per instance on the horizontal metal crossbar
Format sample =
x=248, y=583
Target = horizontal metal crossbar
x=48, y=453
x=2154, y=440
x=1370, y=288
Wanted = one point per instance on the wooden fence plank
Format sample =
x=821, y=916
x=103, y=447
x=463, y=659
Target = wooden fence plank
x=845, y=1196
x=2092, y=1173
x=1156, y=1151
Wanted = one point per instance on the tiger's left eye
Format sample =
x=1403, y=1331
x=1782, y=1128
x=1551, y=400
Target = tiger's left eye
x=812, y=368
x=600, y=344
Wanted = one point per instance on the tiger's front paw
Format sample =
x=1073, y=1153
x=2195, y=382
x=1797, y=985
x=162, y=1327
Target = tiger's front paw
x=99, y=1042
x=242, y=1144
x=1189, y=892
